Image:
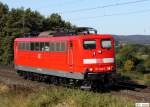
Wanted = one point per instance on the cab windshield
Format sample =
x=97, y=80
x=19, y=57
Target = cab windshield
x=106, y=44
x=89, y=44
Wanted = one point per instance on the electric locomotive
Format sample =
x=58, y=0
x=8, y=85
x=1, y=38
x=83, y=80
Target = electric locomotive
x=81, y=56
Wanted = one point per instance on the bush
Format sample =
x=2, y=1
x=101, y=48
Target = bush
x=140, y=68
x=147, y=79
x=147, y=65
x=129, y=65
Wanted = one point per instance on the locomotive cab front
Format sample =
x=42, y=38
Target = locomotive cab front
x=98, y=56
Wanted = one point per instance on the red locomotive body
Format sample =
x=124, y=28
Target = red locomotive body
x=76, y=57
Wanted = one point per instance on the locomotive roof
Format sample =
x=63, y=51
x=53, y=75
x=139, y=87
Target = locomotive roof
x=68, y=32
x=103, y=36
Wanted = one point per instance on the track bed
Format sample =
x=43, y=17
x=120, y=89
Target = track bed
x=9, y=77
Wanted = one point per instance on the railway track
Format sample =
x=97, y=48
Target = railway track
x=9, y=77
x=139, y=93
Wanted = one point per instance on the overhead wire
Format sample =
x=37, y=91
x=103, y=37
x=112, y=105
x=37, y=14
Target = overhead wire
x=115, y=14
x=105, y=6
x=61, y=4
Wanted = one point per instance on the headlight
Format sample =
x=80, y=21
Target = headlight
x=109, y=68
x=90, y=69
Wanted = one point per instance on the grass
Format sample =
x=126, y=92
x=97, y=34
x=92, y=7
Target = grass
x=10, y=97
x=59, y=97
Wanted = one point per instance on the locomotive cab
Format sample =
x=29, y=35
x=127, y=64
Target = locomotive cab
x=98, y=56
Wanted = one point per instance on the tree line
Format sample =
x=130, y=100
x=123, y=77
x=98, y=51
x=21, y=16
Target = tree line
x=16, y=22
x=134, y=58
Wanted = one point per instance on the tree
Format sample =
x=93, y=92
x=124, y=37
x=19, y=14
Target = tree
x=55, y=20
x=67, y=25
x=14, y=22
x=3, y=14
x=24, y=21
x=33, y=20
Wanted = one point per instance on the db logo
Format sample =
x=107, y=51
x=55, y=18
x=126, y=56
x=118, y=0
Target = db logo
x=39, y=56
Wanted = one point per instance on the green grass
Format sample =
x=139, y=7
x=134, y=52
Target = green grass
x=59, y=97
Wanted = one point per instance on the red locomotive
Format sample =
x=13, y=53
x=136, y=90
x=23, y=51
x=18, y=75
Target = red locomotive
x=83, y=56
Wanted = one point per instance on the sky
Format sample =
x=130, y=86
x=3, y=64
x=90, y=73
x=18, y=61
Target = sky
x=107, y=16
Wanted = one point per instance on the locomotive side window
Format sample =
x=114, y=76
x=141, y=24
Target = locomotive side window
x=52, y=48
x=32, y=46
x=106, y=43
x=41, y=46
x=27, y=46
x=63, y=46
x=37, y=46
x=57, y=46
x=46, y=47
x=22, y=46
x=89, y=44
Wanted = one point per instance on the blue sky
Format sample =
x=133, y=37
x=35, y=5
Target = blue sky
x=124, y=24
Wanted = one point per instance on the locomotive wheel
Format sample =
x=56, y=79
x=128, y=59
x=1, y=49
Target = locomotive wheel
x=19, y=73
x=86, y=85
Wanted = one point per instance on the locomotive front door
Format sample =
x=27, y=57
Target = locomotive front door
x=70, y=56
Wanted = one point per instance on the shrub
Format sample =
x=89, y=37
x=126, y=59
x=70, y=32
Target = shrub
x=129, y=65
x=147, y=65
x=140, y=68
x=147, y=79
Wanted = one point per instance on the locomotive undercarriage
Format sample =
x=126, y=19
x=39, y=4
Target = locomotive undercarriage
x=99, y=80
x=96, y=82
